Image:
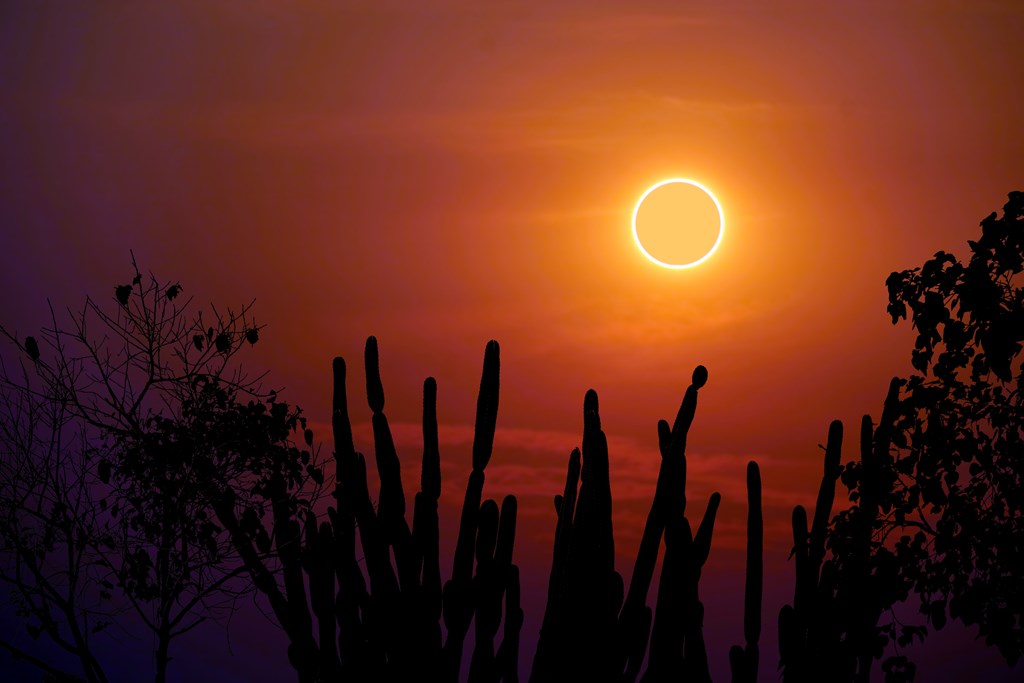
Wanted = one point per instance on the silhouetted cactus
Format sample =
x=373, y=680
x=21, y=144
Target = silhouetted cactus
x=829, y=632
x=494, y=545
x=508, y=652
x=861, y=584
x=744, y=660
x=585, y=591
x=459, y=601
x=385, y=624
x=588, y=632
x=674, y=621
x=426, y=535
x=677, y=648
x=808, y=633
x=550, y=655
x=302, y=652
x=320, y=562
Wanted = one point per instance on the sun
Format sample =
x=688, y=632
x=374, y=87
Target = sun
x=678, y=223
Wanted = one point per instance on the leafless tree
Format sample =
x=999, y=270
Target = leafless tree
x=122, y=428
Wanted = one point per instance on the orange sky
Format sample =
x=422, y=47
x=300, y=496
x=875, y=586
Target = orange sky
x=439, y=174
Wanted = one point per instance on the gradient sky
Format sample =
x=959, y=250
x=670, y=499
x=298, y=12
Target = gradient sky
x=442, y=173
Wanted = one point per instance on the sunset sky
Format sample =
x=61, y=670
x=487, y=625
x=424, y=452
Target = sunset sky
x=439, y=174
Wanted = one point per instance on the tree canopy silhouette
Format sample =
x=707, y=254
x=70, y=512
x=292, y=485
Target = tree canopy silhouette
x=948, y=489
x=122, y=432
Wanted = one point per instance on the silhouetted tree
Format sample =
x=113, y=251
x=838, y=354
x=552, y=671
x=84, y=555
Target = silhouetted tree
x=939, y=503
x=120, y=436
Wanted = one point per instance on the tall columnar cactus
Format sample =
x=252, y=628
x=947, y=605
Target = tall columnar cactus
x=356, y=652
x=551, y=654
x=508, y=652
x=459, y=601
x=596, y=589
x=319, y=561
x=677, y=648
x=829, y=632
x=360, y=621
x=585, y=591
x=494, y=545
x=744, y=660
x=588, y=632
x=398, y=603
x=391, y=502
x=378, y=619
x=809, y=646
x=684, y=561
x=426, y=536
x=861, y=588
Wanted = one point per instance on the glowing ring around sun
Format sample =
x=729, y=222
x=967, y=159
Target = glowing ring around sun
x=721, y=224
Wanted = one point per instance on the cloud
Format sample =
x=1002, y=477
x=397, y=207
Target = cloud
x=633, y=25
x=575, y=117
x=705, y=107
x=531, y=464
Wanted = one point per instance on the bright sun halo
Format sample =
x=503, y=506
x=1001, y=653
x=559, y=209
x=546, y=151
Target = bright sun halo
x=678, y=223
